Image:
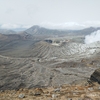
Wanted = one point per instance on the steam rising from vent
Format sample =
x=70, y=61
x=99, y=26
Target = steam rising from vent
x=93, y=37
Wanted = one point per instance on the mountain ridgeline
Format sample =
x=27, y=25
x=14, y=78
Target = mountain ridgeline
x=37, y=30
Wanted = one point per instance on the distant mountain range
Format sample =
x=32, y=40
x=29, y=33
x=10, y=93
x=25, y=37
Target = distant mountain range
x=6, y=31
x=37, y=30
x=44, y=31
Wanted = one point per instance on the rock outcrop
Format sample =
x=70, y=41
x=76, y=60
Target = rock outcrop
x=96, y=76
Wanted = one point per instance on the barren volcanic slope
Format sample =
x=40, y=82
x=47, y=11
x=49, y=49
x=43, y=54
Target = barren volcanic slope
x=28, y=61
x=63, y=50
x=18, y=73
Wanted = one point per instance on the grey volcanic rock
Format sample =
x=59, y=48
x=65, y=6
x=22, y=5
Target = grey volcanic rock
x=16, y=73
x=96, y=76
x=49, y=64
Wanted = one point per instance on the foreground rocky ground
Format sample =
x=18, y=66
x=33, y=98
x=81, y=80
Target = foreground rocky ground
x=84, y=91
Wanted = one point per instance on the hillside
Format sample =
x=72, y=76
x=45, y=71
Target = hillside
x=42, y=63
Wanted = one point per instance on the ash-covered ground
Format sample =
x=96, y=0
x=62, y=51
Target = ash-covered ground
x=49, y=62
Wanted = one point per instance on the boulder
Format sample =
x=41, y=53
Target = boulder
x=21, y=96
x=38, y=91
x=96, y=76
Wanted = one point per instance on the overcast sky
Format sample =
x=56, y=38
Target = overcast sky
x=49, y=13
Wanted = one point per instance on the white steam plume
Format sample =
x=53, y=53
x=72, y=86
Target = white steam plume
x=93, y=37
